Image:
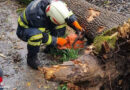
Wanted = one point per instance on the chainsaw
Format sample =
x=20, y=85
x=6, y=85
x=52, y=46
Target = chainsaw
x=80, y=36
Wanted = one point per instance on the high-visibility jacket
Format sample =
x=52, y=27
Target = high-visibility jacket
x=34, y=16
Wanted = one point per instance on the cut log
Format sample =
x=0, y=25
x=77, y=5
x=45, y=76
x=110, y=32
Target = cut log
x=94, y=19
x=82, y=69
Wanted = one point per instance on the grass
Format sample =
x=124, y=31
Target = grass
x=62, y=87
x=65, y=55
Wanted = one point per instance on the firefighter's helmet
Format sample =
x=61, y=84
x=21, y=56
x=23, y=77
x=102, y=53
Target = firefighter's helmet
x=58, y=12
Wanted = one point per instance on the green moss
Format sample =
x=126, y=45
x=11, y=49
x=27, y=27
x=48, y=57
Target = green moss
x=98, y=41
x=62, y=87
x=108, y=36
x=112, y=42
x=109, y=32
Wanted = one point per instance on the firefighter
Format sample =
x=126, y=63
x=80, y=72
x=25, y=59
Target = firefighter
x=44, y=21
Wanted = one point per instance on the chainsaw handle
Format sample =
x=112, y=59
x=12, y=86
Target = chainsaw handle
x=75, y=41
x=80, y=36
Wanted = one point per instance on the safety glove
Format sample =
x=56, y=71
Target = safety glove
x=67, y=43
x=61, y=41
x=79, y=30
x=73, y=23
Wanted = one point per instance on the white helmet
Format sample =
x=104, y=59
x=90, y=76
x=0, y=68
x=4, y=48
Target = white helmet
x=58, y=12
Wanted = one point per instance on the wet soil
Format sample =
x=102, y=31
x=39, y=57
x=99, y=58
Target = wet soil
x=17, y=75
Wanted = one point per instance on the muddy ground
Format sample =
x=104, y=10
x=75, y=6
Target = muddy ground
x=17, y=75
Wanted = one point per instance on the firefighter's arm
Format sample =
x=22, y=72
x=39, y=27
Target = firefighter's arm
x=62, y=43
x=73, y=23
x=51, y=40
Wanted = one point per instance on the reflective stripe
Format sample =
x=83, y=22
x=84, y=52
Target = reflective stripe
x=60, y=26
x=42, y=29
x=49, y=40
x=24, y=16
x=21, y=23
x=36, y=37
x=34, y=43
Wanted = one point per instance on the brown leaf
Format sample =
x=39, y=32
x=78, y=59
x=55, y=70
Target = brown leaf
x=106, y=47
x=39, y=86
x=120, y=82
x=46, y=87
x=124, y=30
x=2, y=55
x=100, y=29
x=14, y=88
x=71, y=86
x=28, y=84
x=92, y=14
x=105, y=56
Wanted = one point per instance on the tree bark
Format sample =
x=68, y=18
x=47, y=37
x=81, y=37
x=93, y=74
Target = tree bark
x=94, y=19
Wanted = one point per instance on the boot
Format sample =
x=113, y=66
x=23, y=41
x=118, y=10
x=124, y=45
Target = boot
x=47, y=50
x=32, y=61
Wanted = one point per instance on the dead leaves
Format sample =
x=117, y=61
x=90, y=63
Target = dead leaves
x=124, y=30
x=28, y=84
x=2, y=55
x=100, y=29
x=71, y=86
x=92, y=14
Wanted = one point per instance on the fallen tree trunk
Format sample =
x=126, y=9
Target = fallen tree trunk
x=75, y=71
x=94, y=19
x=88, y=69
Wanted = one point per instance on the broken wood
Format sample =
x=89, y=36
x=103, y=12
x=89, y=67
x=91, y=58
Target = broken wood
x=75, y=71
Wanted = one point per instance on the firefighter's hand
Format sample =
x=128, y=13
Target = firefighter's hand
x=69, y=44
x=61, y=41
x=81, y=34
